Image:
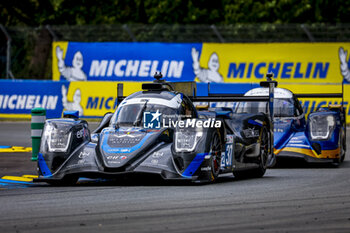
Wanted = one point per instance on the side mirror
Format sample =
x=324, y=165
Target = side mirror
x=94, y=137
x=71, y=114
x=104, y=123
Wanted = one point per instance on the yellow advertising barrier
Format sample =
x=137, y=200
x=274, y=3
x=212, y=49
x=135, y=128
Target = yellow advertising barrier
x=300, y=67
x=290, y=62
x=94, y=99
x=207, y=62
x=59, y=48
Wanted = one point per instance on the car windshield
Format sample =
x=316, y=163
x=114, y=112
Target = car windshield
x=281, y=107
x=133, y=114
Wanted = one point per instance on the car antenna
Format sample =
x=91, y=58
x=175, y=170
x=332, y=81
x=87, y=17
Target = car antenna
x=269, y=76
x=158, y=76
x=158, y=79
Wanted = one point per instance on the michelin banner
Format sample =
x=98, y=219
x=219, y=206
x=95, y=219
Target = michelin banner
x=289, y=62
x=94, y=99
x=91, y=99
x=117, y=61
x=203, y=62
x=17, y=98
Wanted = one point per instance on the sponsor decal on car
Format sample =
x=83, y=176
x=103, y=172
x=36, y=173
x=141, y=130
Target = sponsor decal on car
x=83, y=155
x=157, y=155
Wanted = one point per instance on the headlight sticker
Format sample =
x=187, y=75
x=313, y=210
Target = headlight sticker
x=251, y=132
x=321, y=126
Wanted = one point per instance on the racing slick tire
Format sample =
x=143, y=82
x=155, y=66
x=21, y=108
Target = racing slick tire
x=263, y=156
x=342, y=147
x=215, y=158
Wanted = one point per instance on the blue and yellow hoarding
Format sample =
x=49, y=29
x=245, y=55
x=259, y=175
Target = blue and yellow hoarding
x=290, y=62
x=203, y=62
x=85, y=75
x=121, y=61
x=94, y=99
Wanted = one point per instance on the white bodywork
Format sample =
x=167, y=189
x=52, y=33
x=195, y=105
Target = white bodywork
x=261, y=91
x=173, y=103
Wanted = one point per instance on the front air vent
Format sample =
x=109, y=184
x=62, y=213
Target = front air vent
x=179, y=162
x=317, y=147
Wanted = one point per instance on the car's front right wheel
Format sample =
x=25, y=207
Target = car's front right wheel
x=262, y=160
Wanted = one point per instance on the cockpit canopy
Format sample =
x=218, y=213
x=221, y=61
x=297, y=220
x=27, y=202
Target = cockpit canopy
x=281, y=107
x=284, y=105
x=164, y=104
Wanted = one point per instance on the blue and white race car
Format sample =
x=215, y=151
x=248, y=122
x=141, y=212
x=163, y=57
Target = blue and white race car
x=158, y=131
x=319, y=138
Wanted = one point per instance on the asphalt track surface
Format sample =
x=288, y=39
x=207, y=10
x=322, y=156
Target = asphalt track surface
x=292, y=198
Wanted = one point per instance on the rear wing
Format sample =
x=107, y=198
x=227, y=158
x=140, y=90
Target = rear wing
x=229, y=98
x=187, y=88
x=325, y=95
x=335, y=107
x=190, y=89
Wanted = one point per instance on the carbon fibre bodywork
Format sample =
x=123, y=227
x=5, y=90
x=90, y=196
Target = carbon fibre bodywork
x=122, y=144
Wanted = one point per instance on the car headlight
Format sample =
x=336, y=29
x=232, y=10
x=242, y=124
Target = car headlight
x=58, y=137
x=186, y=140
x=321, y=126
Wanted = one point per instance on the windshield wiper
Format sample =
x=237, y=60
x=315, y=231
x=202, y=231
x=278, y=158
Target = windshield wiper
x=140, y=115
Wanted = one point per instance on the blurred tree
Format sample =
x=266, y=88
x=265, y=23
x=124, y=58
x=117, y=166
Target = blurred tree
x=27, y=12
x=286, y=11
x=184, y=11
x=87, y=12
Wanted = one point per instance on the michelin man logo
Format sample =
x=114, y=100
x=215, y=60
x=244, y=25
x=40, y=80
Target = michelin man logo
x=344, y=65
x=207, y=75
x=74, y=73
x=72, y=105
x=151, y=120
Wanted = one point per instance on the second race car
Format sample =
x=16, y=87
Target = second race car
x=319, y=138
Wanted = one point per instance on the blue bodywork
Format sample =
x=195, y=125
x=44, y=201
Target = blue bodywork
x=321, y=137
x=297, y=136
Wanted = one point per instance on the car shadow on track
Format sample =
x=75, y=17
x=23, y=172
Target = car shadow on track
x=148, y=180
x=143, y=180
x=157, y=181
